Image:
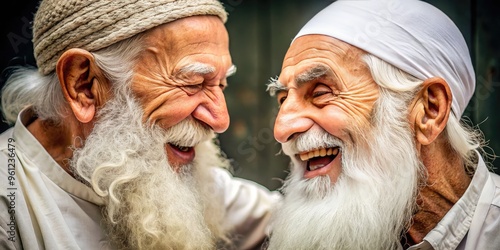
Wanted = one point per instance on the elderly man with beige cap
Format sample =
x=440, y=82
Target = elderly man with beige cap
x=114, y=137
x=371, y=95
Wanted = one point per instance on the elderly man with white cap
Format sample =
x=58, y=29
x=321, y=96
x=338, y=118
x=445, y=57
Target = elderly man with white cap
x=371, y=94
x=114, y=142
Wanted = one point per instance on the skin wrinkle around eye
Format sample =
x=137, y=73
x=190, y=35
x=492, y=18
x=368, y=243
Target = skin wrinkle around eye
x=351, y=100
x=312, y=74
x=315, y=76
x=168, y=94
x=190, y=80
x=198, y=77
x=194, y=78
x=207, y=72
x=181, y=77
x=353, y=92
x=341, y=99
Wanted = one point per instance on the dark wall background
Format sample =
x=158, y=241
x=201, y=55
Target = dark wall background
x=260, y=33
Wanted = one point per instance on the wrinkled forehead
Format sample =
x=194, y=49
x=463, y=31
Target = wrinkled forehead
x=196, y=39
x=319, y=54
x=190, y=30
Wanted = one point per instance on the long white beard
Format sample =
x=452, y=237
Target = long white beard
x=372, y=201
x=148, y=205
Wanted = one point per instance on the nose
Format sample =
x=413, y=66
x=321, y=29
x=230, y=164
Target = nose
x=292, y=119
x=213, y=111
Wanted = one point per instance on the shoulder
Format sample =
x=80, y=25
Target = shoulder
x=496, y=199
x=496, y=179
x=485, y=226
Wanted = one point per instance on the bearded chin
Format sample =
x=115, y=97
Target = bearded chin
x=371, y=203
x=147, y=204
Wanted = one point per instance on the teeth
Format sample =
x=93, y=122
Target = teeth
x=311, y=154
x=183, y=149
x=303, y=157
x=318, y=152
x=314, y=168
x=335, y=151
x=322, y=152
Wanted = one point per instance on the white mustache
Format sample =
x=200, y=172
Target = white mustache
x=312, y=139
x=187, y=133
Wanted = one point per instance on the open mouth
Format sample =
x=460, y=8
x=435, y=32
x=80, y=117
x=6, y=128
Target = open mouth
x=179, y=155
x=181, y=148
x=319, y=158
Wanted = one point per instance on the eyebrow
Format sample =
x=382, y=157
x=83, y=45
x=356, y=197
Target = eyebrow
x=231, y=71
x=311, y=74
x=316, y=72
x=204, y=69
x=197, y=68
x=274, y=86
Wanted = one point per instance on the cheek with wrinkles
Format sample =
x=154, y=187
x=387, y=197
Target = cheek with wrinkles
x=148, y=86
x=155, y=94
x=356, y=106
x=358, y=101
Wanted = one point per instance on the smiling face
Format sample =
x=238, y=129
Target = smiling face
x=323, y=85
x=181, y=76
x=355, y=167
x=142, y=145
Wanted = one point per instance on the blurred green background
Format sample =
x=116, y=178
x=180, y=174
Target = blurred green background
x=260, y=33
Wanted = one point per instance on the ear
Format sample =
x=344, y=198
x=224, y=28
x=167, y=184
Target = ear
x=431, y=110
x=82, y=83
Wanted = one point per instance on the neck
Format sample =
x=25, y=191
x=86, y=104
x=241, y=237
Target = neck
x=58, y=140
x=446, y=182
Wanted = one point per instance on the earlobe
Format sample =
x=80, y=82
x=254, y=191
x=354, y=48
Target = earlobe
x=80, y=83
x=432, y=110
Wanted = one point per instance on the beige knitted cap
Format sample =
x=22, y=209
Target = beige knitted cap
x=95, y=24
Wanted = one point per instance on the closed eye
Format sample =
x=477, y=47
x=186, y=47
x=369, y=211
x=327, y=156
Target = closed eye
x=320, y=93
x=192, y=89
x=320, y=90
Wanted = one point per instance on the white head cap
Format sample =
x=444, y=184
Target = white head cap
x=412, y=35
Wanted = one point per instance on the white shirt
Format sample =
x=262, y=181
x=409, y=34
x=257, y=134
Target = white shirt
x=473, y=223
x=43, y=207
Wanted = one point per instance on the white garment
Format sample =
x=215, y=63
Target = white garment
x=54, y=211
x=412, y=35
x=473, y=223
